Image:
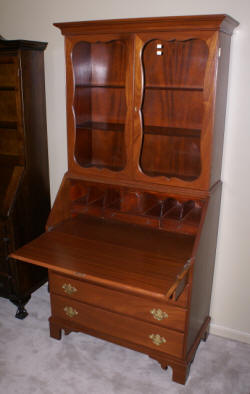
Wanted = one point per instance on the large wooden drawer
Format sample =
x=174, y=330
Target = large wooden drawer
x=117, y=325
x=8, y=106
x=8, y=73
x=135, y=306
x=11, y=142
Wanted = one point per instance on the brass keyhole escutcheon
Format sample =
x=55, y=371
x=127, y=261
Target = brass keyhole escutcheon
x=71, y=312
x=157, y=339
x=158, y=314
x=68, y=288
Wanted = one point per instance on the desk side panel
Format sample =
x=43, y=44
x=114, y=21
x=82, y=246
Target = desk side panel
x=203, y=270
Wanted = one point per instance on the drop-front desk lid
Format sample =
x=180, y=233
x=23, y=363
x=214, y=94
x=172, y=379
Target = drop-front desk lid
x=120, y=255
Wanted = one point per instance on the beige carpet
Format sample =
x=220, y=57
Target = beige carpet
x=33, y=363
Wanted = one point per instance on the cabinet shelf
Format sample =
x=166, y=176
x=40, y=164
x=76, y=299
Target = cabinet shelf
x=172, y=131
x=103, y=126
x=107, y=85
x=174, y=87
x=95, y=164
x=186, y=178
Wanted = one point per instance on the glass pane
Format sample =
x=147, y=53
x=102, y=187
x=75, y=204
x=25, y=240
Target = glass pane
x=99, y=104
x=172, y=108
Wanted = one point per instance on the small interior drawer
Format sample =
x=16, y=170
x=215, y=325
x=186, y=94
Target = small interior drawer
x=146, y=309
x=82, y=315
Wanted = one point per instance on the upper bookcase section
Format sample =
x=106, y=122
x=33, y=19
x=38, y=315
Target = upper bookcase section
x=146, y=99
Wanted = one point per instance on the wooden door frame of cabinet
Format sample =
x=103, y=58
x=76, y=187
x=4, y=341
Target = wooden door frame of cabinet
x=73, y=166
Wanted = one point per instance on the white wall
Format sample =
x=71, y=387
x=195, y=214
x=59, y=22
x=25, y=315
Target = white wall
x=33, y=19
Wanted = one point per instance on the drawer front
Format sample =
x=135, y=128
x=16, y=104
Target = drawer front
x=8, y=106
x=118, y=326
x=8, y=74
x=134, y=306
x=11, y=142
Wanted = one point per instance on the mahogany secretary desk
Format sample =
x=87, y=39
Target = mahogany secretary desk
x=131, y=238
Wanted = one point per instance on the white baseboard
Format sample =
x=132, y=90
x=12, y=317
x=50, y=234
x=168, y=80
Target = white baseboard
x=229, y=333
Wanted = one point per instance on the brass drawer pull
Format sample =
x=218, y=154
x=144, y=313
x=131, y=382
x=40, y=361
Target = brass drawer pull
x=157, y=339
x=68, y=288
x=70, y=311
x=158, y=314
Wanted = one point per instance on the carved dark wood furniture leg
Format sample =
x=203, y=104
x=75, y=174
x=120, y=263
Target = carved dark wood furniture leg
x=55, y=330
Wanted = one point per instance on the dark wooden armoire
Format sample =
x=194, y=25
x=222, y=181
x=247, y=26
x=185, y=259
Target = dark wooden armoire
x=24, y=186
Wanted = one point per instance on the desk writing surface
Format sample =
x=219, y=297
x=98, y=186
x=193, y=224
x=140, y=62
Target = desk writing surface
x=113, y=252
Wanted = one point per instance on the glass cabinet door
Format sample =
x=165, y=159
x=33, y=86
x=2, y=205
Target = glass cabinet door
x=172, y=108
x=99, y=103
